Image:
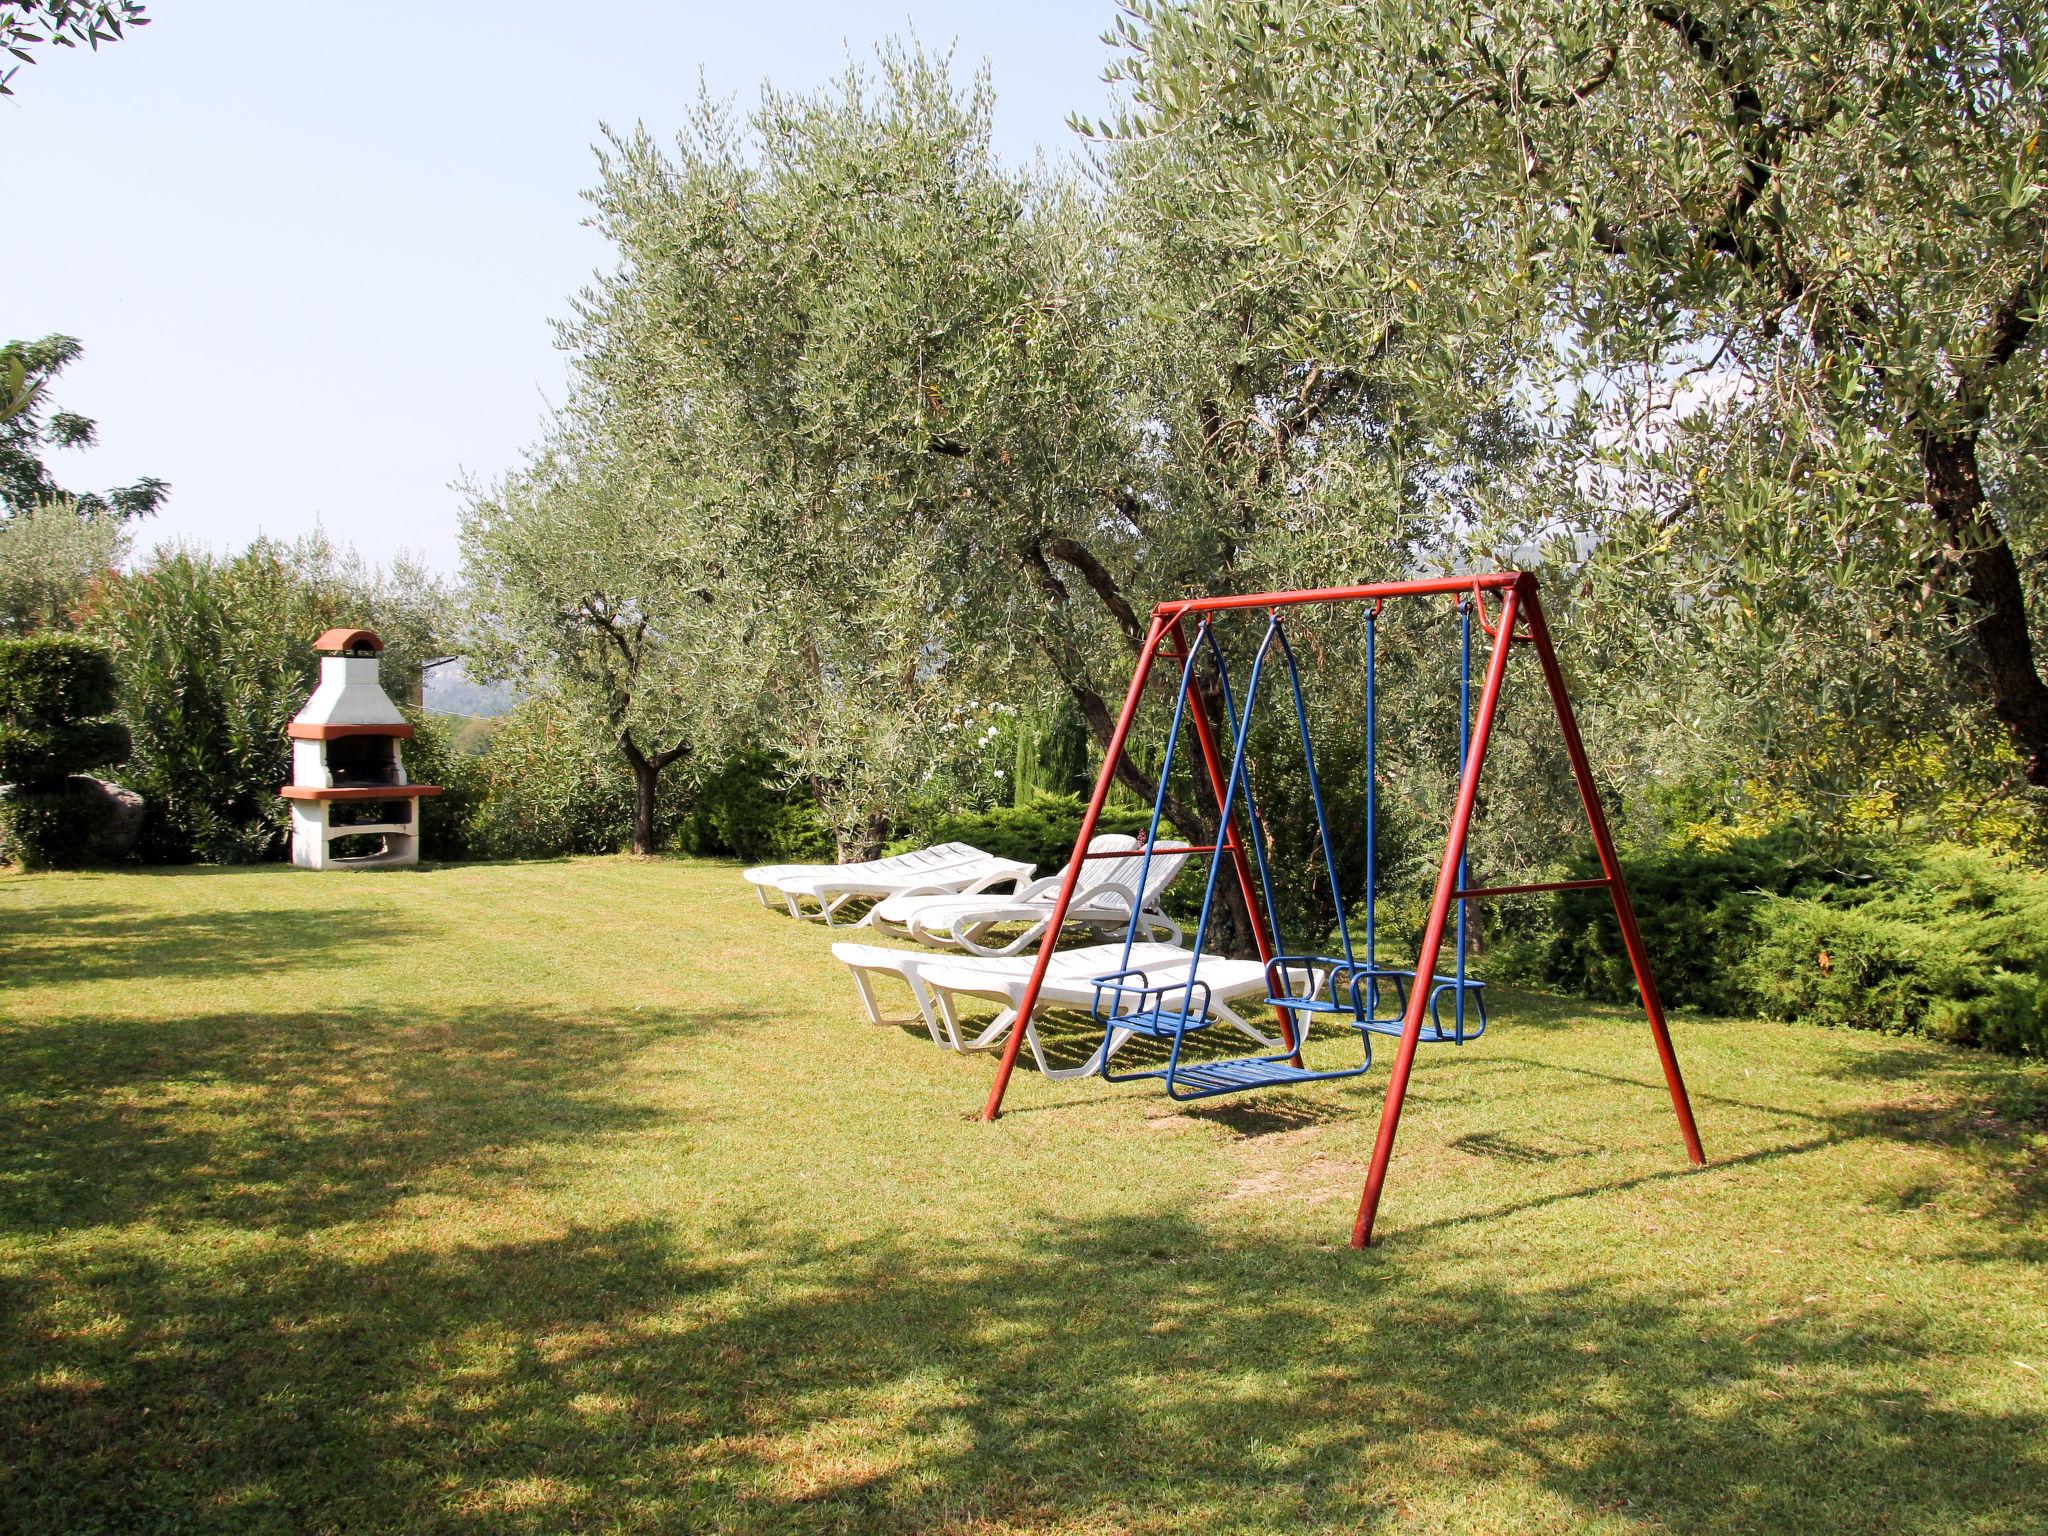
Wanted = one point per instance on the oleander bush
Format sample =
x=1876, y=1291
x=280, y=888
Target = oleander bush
x=215, y=655
x=437, y=754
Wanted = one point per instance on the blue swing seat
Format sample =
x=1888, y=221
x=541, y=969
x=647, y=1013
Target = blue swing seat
x=1138, y=1006
x=1434, y=1032
x=1355, y=991
x=1149, y=1014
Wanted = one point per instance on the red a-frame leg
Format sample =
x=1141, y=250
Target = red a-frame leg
x=1433, y=930
x=1520, y=599
x=1617, y=886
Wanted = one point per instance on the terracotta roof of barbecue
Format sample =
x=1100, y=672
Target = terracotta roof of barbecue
x=349, y=640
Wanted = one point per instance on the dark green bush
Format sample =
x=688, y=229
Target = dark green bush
x=1954, y=946
x=747, y=811
x=1697, y=908
x=49, y=828
x=44, y=756
x=1941, y=941
x=50, y=688
x=434, y=756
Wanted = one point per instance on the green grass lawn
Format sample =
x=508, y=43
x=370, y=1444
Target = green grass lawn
x=577, y=1196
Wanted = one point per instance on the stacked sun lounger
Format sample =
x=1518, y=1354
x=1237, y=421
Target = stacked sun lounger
x=822, y=892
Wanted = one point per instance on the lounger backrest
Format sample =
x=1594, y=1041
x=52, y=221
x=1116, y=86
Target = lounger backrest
x=1122, y=874
x=1159, y=874
x=1098, y=874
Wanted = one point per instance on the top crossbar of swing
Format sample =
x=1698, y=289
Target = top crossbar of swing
x=1427, y=586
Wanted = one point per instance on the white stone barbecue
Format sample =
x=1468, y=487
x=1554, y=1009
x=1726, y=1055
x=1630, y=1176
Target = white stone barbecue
x=348, y=780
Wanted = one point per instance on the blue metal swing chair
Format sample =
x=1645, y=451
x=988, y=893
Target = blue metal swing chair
x=1369, y=997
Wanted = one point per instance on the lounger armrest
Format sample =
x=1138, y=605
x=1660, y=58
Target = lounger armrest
x=1108, y=898
x=935, y=888
x=976, y=914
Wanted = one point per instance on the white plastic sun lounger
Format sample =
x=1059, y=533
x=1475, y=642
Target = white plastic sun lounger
x=769, y=877
x=831, y=892
x=910, y=966
x=1070, y=975
x=1102, y=901
x=1227, y=981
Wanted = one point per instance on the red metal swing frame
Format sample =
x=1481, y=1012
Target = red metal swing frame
x=1520, y=621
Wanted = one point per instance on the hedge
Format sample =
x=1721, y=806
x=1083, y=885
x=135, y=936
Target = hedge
x=1936, y=940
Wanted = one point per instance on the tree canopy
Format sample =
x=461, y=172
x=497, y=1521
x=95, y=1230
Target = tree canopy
x=27, y=25
x=1782, y=265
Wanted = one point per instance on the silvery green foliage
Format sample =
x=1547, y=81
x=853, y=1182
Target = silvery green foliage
x=50, y=556
x=595, y=579
x=949, y=427
x=1770, y=274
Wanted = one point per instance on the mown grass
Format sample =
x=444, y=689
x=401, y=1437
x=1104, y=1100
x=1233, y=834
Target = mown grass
x=576, y=1196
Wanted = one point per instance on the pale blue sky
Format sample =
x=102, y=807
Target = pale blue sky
x=313, y=252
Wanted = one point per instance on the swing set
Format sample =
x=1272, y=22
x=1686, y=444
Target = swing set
x=1352, y=988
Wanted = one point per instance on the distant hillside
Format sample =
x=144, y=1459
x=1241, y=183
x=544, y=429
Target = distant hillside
x=451, y=691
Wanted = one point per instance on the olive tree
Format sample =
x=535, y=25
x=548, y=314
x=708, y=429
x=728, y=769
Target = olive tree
x=846, y=314
x=592, y=582
x=970, y=422
x=1780, y=265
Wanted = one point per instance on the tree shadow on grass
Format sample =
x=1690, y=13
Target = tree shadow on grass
x=1993, y=1111
x=1093, y=1375
x=101, y=941
x=292, y=1122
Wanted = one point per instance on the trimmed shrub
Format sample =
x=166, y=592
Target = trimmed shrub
x=49, y=828
x=747, y=811
x=1942, y=941
x=50, y=686
x=1954, y=947
x=55, y=678
x=53, y=753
